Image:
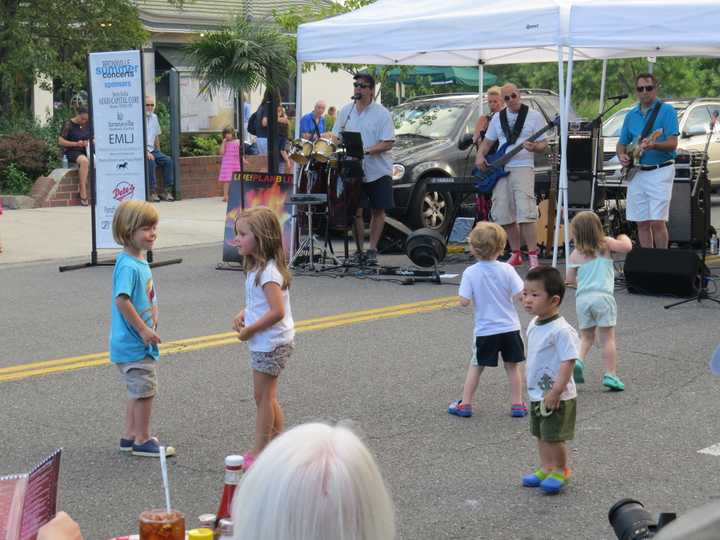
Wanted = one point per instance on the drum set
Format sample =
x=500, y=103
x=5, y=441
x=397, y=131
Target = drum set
x=321, y=163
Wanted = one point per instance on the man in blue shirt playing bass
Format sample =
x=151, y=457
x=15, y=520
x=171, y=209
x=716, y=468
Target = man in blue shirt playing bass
x=650, y=190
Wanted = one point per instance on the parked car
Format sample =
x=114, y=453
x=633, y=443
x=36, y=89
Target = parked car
x=695, y=117
x=427, y=133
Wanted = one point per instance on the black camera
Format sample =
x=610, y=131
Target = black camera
x=631, y=521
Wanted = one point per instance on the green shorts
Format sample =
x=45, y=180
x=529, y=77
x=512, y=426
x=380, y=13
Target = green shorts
x=559, y=426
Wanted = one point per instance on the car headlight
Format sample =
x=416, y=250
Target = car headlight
x=398, y=171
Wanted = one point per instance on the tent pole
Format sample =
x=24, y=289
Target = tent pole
x=602, y=86
x=481, y=85
x=563, y=157
x=568, y=96
x=297, y=171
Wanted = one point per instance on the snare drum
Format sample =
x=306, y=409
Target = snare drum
x=323, y=150
x=300, y=151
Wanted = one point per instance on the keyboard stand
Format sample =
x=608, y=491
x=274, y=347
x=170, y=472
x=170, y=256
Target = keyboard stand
x=312, y=245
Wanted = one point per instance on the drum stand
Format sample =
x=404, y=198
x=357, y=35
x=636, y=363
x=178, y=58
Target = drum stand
x=312, y=245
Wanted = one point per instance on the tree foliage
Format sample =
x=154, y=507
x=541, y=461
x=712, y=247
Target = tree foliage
x=241, y=57
x=51, y=38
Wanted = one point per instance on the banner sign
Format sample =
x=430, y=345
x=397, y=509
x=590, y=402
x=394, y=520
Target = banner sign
x=116, y=95
x=250, y=189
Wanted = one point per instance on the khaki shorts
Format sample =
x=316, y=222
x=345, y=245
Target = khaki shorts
x=558, y=427
x=140, y=378
x=513, y=199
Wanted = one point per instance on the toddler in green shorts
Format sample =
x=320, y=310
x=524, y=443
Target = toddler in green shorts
x=552, y=348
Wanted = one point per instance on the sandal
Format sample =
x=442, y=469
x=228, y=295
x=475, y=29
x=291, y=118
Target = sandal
x=613, y=382
x=83, y=202
x=248, y=459
x=579, y=371
x=518, y=410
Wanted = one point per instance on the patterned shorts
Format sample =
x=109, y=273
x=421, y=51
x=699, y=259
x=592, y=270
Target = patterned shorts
x=273, y=362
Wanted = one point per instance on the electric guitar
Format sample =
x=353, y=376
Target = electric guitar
x=485, y=180
x=635, y=152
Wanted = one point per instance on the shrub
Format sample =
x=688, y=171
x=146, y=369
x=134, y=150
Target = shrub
x=201, y=145
x=15, y=181
x=48, y=133
x=25, y=152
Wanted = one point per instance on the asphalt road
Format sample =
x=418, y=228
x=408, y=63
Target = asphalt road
x=451, y=478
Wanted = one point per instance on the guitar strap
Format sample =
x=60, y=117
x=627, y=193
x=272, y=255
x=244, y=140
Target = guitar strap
x=651, y=120
x=512, y=136
x=317, y=127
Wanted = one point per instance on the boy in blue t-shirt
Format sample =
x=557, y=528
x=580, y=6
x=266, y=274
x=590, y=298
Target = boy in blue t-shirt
x=133, y=337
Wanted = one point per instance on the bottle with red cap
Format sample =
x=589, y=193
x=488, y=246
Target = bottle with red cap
x=233, y=470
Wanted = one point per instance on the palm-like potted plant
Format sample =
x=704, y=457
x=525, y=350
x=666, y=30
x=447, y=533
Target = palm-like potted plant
x=241, y=57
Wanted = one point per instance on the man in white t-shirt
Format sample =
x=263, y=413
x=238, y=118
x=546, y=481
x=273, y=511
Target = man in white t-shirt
x=375, y=125
x=513, y=198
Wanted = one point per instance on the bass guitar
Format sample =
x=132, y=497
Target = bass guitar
x=485, y=180
x=635, y=152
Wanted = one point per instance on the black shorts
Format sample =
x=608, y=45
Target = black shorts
x=73, y=154
x=377, y=194
x=509, y=344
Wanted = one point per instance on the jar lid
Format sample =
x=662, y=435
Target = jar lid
x=200, y=534
x=226, y=527
x=234, y=461
x=207, y=520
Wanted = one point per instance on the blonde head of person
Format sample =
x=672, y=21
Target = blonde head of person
x=314, y=482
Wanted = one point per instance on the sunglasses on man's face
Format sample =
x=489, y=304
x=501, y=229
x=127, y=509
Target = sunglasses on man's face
x=361, y=85
x=648, y=88
x=149, y=104
x=511, y=96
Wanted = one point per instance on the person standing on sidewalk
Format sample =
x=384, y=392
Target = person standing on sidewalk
x=155, y=157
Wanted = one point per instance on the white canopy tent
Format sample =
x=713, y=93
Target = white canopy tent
x=474, y=32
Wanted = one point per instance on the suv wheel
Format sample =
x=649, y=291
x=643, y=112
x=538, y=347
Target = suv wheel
x=431, y=209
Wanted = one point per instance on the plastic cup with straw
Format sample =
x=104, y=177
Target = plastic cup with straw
x=167, y=524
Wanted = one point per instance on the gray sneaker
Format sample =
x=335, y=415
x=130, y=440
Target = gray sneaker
x=169, y=196
x=371, y=257
x=154, y=197
x=356, y=259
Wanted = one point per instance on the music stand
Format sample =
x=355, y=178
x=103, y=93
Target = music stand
x=352, y=140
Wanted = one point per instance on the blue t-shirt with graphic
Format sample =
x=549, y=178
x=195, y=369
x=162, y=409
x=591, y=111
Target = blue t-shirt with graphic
x=132, y=277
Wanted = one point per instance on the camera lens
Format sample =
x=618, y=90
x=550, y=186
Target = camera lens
x=631, y=521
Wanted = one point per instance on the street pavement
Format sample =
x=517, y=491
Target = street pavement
x=391, y=378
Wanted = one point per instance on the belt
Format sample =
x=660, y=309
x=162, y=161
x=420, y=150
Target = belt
x=658, y=166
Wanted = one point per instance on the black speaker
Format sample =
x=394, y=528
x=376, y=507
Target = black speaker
x=663, y=271
x=580, y=191
x=689, y=217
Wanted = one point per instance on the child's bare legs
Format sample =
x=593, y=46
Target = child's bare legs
x=515, y=375
x=553, y=456
x=226, y=189
x=471, y=383
x=137, y=419
x=587, y=338
x=267, y=423
x=606, y=336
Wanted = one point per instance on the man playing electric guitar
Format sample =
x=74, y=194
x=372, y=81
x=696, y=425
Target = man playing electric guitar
x=650, y=190
x=513, y=198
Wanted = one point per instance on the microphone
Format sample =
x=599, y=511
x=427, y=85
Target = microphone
x=618, y=97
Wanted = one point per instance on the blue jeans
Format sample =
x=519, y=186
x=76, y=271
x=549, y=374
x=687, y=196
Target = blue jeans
x=161, y=160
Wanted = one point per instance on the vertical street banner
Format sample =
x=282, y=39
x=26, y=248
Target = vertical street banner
x=116, y=103
x=249, y=189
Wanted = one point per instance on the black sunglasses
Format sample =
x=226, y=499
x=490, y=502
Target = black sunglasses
x=361, y=85
x=648, y=88
x=511, y=96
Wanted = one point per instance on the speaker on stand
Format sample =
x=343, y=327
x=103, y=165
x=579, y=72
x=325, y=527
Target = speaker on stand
x=690, y=206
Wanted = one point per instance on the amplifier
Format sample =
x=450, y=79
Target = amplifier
x=663, y=271
x=689, y=216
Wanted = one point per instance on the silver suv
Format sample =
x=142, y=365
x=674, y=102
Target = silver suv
x=695, y=117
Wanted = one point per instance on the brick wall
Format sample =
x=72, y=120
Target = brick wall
x=199, y=180
x=199, y=175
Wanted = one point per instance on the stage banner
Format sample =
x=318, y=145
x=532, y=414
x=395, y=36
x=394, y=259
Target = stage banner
x=250, y=189
x=116, y=103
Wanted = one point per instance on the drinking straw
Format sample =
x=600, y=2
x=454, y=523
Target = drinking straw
x=163, y=468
